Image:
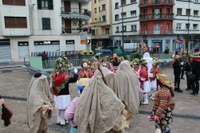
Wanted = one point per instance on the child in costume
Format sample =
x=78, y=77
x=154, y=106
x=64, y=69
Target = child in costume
x=163, y=104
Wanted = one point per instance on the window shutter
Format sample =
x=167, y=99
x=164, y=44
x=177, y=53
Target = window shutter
x=39, y=3
x=50, y=6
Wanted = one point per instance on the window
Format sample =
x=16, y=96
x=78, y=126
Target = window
x=195, y=26
x=45, y=4
x=46, y=24
x=196, y=13
x=116, y=5
x=123, y=14
x=196, y=1
x=133, y=27
x=187, y=26
x=133, y=13
x=133, y=1
x=15, y=22
x=14, y=2
x=103, y=7
x=179, y=11
x=123, y=2
x=156, y=28
x=99, y=9
x=117, y=29
x=93, y=32
x=124, y=28
x=116, y=17
x=157, y=13
x=104, y=18
x=178, y=26
x=188, y=12
x=107, y=31
x=95, y=10
x=95, y=1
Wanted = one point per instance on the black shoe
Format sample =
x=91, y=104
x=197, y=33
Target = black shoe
x=179, y=90
x=194, y=94
x=188, y=89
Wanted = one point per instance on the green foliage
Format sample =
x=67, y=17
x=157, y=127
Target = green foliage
x=134, y=55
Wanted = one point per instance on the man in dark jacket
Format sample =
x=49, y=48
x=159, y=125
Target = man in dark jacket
x=177, y=73
x=196, y=71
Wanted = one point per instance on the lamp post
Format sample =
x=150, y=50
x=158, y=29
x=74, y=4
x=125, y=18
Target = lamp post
x=188, y=28
x=122, y=5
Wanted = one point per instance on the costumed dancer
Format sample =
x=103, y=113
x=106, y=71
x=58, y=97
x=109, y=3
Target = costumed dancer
x=136, y=66
x=40, y=104
x=91, y=115
x=60, y=86
x=70, y=112
x=163, y=104
x=144, y=81
x=85, y=72
x=152, y=76
x=149, y=61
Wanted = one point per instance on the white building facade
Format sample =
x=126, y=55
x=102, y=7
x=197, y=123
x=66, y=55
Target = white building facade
x=41, y=25
x=125, y=22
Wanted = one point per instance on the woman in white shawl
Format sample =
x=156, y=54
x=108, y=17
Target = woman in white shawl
x=39, y=104
x=128, y=87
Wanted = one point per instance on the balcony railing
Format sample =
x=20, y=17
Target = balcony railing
x=156, y=32
x=156, y=17
x=76, y=13
x=84, y=1
x=156, y=2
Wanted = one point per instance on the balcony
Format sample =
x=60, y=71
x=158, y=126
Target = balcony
x=76, y=13
x=145, y=3
x=83, y=1
x=156, y=17
x=156, y=32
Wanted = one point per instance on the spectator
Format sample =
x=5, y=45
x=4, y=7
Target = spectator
x=166, y=50
x=44, y=59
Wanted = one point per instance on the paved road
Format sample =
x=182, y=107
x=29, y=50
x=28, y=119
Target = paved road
x=13, y=86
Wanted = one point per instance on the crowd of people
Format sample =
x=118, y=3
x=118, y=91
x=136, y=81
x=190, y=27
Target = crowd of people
x=184, y=64
x=107, y=95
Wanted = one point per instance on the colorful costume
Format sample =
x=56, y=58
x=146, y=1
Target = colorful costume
x=154, y=71
x=85, y=73
x=144, y=82
x=163, y=104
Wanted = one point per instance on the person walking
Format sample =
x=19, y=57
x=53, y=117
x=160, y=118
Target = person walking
x=163, y=104
x=40, y=104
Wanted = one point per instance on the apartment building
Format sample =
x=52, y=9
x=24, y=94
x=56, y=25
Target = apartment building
x=126, y=22
x=163, y=23
x=101, y=23
x=41, y=25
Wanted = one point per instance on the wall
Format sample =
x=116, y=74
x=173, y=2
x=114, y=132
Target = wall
x=17, y=11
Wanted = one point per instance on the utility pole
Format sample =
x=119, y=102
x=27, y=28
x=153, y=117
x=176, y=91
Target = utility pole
x=122, y=5
x=188, y=29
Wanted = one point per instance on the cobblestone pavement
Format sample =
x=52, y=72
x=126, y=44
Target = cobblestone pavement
x=14, y=83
